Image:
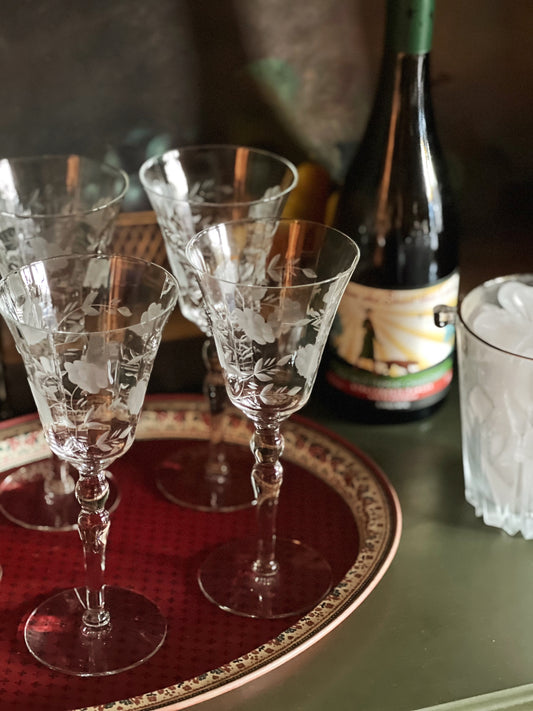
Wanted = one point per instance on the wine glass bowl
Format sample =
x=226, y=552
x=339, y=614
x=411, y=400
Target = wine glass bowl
x=271, y=289
x=56, y=204
x=88, y=329
x=52, y=205
x=191, y=188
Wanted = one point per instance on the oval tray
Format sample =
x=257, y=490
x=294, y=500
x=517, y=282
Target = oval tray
x=333, y=496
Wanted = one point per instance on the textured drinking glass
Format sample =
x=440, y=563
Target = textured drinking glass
x=190, y=189
x=495, y=354
x=272, y=288
x=88, y=330
x=49, y=206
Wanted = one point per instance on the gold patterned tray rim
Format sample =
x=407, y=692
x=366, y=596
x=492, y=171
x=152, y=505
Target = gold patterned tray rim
x=356, y=478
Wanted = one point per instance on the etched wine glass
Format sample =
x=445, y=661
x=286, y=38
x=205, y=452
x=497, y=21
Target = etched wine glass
x=189, y=189
x=52, y=205
x=272, y=288
x=88, y=329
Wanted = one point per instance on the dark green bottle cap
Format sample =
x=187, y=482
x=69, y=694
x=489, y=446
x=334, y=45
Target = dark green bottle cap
x=410, y=25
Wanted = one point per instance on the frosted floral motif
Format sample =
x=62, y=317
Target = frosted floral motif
x=263, y=362
x=263, y=208
x=279, y=269
x=136, y=398
x=88, y=376
x=305, y=360
x=88, y=357
x=270, y=306
x=271, y=338
x=253, y=325
x=153, y=312
x=31, y=335
x=97, y=275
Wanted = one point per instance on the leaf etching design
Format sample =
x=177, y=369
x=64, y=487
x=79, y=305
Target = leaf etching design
x=88, y=359
x=271, y=337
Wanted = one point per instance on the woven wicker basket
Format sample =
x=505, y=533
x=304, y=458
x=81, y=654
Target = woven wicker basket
x=138, y=234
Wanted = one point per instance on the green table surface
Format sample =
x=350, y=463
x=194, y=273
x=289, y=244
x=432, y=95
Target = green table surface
x=450, y=625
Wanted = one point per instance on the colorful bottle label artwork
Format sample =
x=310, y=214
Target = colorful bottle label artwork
x=388, y=345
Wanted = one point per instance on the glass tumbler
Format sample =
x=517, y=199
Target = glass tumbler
x=495, y=358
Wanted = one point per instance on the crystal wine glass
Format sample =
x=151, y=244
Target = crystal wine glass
x=191, y=188
x=272, y=288
x=88, y=329
x=52, y=205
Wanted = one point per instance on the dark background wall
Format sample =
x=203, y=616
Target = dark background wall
x=124, y=79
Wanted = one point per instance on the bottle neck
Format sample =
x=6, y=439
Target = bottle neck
x=402, y=101
x=409, y=26
x=403, y=91
x=404, y=81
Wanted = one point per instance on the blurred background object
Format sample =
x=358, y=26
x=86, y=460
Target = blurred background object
x=130, y=79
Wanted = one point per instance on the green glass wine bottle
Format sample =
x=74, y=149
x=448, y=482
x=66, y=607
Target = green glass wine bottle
x=387, y=361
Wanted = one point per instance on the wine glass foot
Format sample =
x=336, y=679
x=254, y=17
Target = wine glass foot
x=183, y=478
x=303, y=579
x=56, y=636
x=26, y=501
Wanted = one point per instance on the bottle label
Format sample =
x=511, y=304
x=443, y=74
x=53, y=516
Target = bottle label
x=392, y=352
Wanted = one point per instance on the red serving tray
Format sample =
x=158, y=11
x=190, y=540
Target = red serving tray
x=333, y=498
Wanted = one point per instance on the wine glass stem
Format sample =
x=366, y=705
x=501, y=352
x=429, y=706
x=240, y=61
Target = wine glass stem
x=58, y=479
x=215, y=392
x=267, y=476
x=92, y=491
